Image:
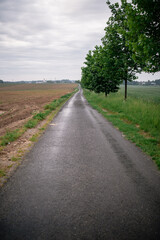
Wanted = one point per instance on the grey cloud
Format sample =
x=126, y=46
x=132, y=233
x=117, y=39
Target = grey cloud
x=89, y=10
x=11, y=10
x=48, y=36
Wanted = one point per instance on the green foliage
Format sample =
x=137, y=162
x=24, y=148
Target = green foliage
x=98, y=73
x=31, y=123
x=47, y=112
x=51, y=106
x=40, y=116
x=2, y=173
x=10, y=137
x=108, y=65
x=143, y=18
x=131, y=44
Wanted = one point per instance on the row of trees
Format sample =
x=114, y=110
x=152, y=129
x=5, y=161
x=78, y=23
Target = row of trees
x=131, y=44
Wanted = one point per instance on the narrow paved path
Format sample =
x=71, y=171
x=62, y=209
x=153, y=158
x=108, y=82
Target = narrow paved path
x=82, y=180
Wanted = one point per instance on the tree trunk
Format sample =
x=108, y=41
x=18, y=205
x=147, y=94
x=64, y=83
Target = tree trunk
x=125, y=96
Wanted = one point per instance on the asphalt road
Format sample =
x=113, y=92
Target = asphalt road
x=82, y=180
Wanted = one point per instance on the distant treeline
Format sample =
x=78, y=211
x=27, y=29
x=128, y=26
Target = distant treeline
x=41, y=81
x=147, y=83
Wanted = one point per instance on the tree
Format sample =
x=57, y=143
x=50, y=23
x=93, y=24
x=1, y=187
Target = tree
x=119, y=56
x=98, y=73
x=143, y=37
x=87, y=76
x=108, y=65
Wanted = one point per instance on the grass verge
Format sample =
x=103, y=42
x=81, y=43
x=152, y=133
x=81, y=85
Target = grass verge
x=11, y=136
x=138, y=120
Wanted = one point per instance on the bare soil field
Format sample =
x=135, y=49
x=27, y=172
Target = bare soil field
x=20, y=101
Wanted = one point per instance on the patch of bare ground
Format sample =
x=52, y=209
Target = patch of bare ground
x=1, y=112
x=14, y=125
x=19, y=102
x=145, y=134
x=108, y=111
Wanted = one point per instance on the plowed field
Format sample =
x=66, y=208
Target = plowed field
x=18, y=102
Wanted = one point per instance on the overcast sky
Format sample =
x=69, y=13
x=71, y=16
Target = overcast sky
x=49, y=39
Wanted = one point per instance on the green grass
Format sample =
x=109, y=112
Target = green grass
x=34, y=138
x=10, y=137
x=147, y=93
x=137, y=118
x=40, y=116
x=14, y=159
x=51, y=106
x=2, y=173
x=31, y=123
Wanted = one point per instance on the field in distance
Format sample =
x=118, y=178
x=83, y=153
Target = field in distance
x=149, y=93
x=18, y=102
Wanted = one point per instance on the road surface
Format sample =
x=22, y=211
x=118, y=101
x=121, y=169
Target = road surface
x=82, y=181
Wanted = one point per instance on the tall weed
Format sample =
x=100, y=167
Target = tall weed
x=10, y=137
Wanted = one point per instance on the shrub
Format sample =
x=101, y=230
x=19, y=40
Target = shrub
x=31, y=123
x=66, y=95
x=10, y=137
x=51, y=106
x=39, y=116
